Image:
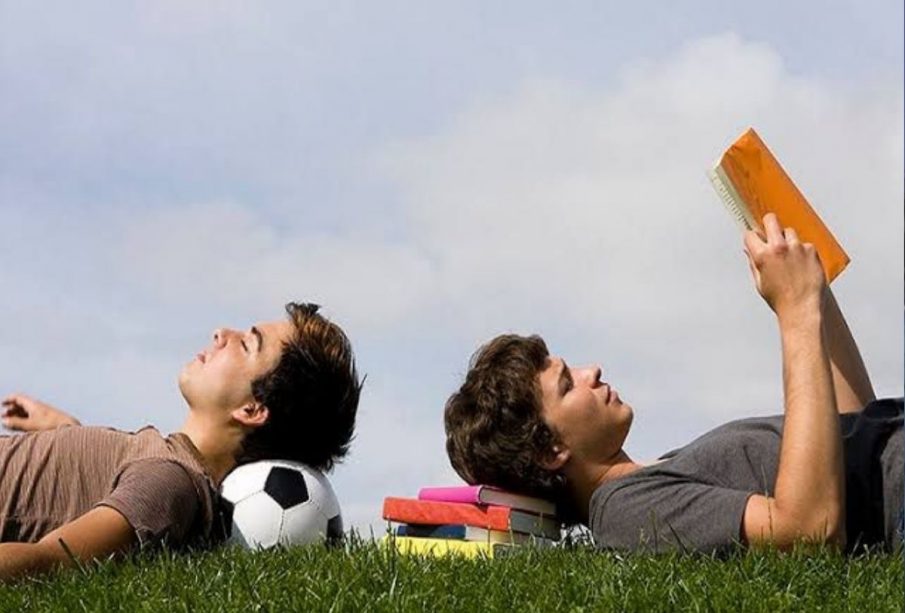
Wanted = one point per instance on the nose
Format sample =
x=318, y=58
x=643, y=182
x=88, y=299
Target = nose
x=219, y=337
x=591, y=374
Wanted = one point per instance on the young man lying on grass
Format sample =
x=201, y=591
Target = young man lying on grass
x=282, y=389
x=830, y=469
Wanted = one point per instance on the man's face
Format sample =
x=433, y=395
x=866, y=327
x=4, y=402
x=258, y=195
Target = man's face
x=219, y=378
x=586, y=414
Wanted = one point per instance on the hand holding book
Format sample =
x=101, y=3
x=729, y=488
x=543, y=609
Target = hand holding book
x=751, y=183
x=787, y=273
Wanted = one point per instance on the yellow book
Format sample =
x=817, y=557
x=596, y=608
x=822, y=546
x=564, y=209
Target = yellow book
x=412, y=545
x=751, y=183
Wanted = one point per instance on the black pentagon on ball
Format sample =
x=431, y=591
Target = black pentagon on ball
x=286, y=486
x=334, y=529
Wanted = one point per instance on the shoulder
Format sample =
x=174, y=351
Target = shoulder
x=165, y=476
x=158, y=497
x=768, y=423
x=731, y=435
x=627, y=491
x=149, y=449
x=663, y=507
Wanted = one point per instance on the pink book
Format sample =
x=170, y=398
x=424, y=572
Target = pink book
x=486, y=494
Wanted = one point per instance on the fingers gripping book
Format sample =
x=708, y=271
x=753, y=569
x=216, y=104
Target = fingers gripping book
x=751, y=183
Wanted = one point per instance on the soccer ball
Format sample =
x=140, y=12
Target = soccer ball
x=278, y=502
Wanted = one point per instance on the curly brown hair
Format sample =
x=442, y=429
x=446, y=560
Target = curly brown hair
x=311, y=395
x=494, y=431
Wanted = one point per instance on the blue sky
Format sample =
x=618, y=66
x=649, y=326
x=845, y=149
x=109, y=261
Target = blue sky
x=433, y=174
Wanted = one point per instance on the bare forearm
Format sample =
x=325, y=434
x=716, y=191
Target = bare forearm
x=851, y=382
x=810, y=484
x=20, y=559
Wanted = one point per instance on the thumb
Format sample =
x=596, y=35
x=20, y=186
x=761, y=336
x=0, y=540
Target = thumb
x=754, y=272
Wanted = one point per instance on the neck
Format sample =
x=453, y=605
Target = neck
x=218, y=444
x=584, y=479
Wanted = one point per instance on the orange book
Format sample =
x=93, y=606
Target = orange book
x=489, y=517
x=751, y=183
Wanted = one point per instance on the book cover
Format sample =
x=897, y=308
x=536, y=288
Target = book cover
x=406, y=545
x=410, y=511
x=751, y=183
x=486, y=494
x=470, y=533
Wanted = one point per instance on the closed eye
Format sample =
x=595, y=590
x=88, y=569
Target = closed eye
x=565, y=380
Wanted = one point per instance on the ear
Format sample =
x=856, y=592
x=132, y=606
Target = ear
x=252, y=415
x=557, y=457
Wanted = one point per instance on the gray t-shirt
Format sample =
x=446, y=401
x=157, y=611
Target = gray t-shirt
x=695, y=499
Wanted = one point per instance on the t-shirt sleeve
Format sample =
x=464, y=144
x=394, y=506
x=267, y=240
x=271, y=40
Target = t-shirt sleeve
x=158, y=499
x=664, y=514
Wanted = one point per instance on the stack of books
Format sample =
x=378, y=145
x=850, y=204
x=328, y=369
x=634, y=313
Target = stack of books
x=472, y=520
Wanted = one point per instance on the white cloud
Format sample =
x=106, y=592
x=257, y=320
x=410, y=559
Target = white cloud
x=226, y=254
x=586, y=214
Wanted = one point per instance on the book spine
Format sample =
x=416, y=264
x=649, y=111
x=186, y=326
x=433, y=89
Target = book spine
x=434, y=513
x=443, y=547
x=468, y=494
x=440, y=532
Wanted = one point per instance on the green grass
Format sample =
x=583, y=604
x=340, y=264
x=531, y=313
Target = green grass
x=363, y=577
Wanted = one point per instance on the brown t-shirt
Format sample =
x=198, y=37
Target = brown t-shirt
x=157, y=483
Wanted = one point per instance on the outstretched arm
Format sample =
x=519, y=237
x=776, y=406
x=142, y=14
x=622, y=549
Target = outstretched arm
x=809, y=495
x=99, y=533
x=23, y=413
x=851, y=382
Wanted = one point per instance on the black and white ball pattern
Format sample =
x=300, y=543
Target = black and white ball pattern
x=275, y=502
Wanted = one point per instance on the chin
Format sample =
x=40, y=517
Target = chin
x=184, y=383
x=630, y=414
